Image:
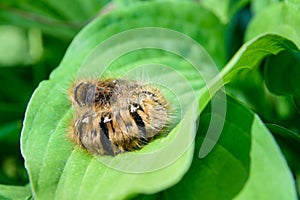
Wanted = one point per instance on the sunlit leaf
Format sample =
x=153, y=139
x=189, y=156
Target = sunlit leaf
x=59, y=169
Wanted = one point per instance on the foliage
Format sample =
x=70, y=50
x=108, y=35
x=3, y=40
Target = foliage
x=241, y=71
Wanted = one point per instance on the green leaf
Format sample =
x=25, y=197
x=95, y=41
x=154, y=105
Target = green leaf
x=280, y=18
x=9, y=192
x=244, y=67
x=270, y=166
x=289, y=142
x=253, y=52
x=282, y=73
x=268, y=105
x=245, y=164
x=224, y=171
x=124, y=43
x=225, y=9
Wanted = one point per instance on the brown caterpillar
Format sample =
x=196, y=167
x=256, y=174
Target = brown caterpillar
x=116, y=115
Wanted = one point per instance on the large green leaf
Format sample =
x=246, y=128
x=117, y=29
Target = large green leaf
x=280, y=182
x=60, y=170
x=246, y=163
x=225, y=170
x=248, y=58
